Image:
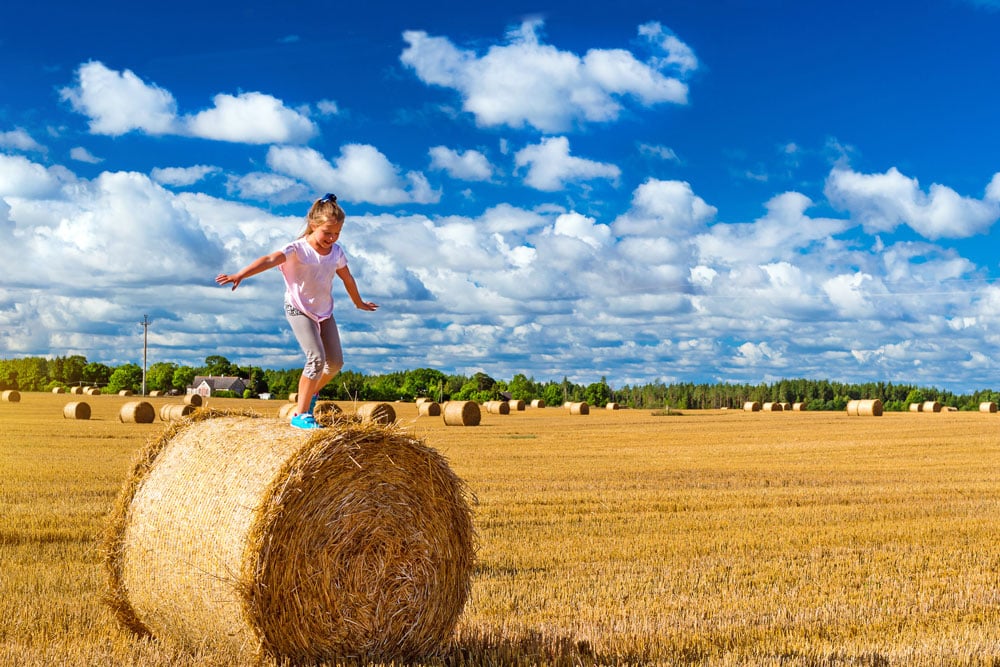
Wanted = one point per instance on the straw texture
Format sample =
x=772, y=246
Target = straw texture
x=76, y=410
x=429, y=409
x=462, y=413
x=497, y=407
x=137, y=412
x=247, y=536
x=170, y=412
x=871, y=407
x=381, y=413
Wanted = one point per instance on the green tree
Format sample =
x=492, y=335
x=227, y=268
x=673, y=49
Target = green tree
x=96, y=373
x=218, y=365
x=160, y=376
x=183, y=377
x=126, y=376
x=597, y=394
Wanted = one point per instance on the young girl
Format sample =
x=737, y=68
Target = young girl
x=308, y=265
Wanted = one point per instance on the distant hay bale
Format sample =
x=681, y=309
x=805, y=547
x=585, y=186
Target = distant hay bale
x=194, y=399
x=157, y=393
x=326, y=408
x=248, y=537
x=76, y=410
x=786, y=406
x=916, y=407
x=537, y=403
x=951, y=408
x=799, y=407
x=76, y=390
x=988, y=406
x=773, y=407
x=58, y=390
x=137, y=412
x=171, y=412
x=287, y=411
x=931, y=406
x=382, y=413
x=125, y=392
x=421, y=399
x=865, y=408
x=293, y=397
x=497, y=407
x=581, y=408
x=516, y=405
x=92, y=391
x=11, y=396
x=751, y=406
x=428, y=409
x=461, y=413
x=612, y=406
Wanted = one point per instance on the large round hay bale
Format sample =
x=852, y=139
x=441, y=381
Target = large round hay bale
x=799, y=407
x=171, y=412
x=326, y=408
x=58, y=390
x=194, y=399
x=125, y=392
x=988, y=406
x=249, y=537
x=462, y=413
x=428, y=409
x=11, y=396
x=916, y=407
x=537, y=403
x=931, y=406
x=76, y=410
x=771, y=406
x=869, y=407
x=287, y=411
x=137, y=412
x=516, y=405
x=581, y=408
x=497, y=407
x=751, y=406
x=76, y=390
x=382, y=413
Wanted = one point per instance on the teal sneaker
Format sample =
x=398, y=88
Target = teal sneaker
x=304, y=421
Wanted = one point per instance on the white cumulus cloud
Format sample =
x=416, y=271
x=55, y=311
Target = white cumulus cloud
x=551, y=167
x=120, y=102
x=470, y=165
x=884, y=201
x=526, y=82
x=361, y=173
x=251, y=118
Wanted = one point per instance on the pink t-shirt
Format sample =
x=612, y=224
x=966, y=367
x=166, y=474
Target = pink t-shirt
x=309, y=277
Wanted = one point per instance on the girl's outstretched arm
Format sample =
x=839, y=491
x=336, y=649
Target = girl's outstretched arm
x=259, y=265
x=352, y=290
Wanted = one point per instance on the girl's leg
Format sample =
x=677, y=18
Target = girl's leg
x=333, y=351
x=308, y=334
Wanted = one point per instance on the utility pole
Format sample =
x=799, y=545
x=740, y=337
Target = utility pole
x=145, y=339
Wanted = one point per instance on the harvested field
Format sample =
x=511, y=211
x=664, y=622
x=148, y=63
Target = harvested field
x=703, y=538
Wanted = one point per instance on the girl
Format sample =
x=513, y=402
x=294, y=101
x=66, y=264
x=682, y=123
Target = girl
x=308, y=265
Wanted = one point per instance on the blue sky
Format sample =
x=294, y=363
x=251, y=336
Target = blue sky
x=676, y=191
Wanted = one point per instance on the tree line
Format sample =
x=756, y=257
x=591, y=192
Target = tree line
x=42, y=374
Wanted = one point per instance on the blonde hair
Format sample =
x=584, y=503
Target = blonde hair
x=324, y=210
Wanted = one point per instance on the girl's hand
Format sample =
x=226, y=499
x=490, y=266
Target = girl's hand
x=224, y=278
x=366, y=305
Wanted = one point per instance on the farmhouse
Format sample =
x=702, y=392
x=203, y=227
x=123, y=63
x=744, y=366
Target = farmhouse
x=206, y=385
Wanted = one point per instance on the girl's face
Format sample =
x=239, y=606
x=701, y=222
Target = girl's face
x=324, y=235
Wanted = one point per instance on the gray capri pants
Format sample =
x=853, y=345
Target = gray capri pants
x=319, y=340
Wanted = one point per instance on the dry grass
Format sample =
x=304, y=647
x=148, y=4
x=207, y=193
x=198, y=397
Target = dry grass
x=716, y=538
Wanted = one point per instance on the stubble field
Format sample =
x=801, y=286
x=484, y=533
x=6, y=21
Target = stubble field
x=619, y=537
